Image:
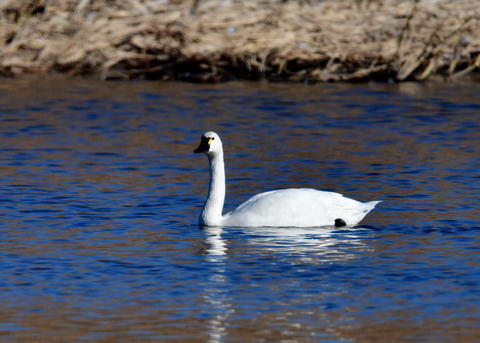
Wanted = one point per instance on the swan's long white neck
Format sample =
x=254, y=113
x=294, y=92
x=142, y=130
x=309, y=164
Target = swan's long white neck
x=212, y=212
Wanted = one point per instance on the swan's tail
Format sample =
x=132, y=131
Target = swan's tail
x=368, y=206
x=363, y=211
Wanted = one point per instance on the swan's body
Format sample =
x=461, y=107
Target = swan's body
x=300, y=207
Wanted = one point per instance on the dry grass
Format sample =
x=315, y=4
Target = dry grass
x=217, y=40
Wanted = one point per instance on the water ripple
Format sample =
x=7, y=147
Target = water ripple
x=101, y=194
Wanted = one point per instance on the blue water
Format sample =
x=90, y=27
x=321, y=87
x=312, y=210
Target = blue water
x=100, y=195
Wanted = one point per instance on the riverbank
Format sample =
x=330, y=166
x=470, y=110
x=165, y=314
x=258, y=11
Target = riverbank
x=216, y=40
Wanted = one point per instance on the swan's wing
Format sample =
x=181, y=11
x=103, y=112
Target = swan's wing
x=297, y=207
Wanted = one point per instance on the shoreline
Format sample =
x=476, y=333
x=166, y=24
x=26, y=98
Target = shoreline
x=218, y=41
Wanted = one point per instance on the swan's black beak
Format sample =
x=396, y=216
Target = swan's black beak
x=204, y=145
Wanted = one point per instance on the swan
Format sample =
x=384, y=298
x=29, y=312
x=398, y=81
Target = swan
x=294, y=207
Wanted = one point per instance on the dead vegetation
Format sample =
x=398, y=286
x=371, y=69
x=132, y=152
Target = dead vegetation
x=219, y=40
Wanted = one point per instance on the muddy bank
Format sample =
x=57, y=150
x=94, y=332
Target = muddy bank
x=219, y=40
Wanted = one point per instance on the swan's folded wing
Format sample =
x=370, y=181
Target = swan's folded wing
x=297, y=207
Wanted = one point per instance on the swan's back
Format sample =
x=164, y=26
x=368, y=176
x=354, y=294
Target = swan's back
x=297, y=207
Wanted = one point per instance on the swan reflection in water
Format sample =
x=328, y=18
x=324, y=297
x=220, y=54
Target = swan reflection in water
x=215, y=291
x=317, y=245
x=297, y=246
x=215, y=245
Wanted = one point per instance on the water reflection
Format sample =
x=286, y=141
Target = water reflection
x=220, y=304
x=312, y=245
x=215, y=245
x=215, y=290
x=293, y=250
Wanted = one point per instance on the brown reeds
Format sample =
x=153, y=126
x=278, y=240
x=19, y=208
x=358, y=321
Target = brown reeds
x=216, y=40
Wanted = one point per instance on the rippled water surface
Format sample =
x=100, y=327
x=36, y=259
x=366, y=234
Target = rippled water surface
x=100, y=195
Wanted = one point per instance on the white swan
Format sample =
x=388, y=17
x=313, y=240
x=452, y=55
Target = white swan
x=300, y=207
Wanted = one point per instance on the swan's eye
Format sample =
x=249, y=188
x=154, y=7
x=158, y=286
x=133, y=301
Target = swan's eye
x=210, y=140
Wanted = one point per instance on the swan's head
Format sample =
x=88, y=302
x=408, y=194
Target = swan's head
x=210, y=144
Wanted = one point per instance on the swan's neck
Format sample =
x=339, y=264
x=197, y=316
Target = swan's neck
x=212, y=211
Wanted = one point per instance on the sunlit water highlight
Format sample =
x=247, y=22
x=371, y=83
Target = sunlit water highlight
x=100, y=195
